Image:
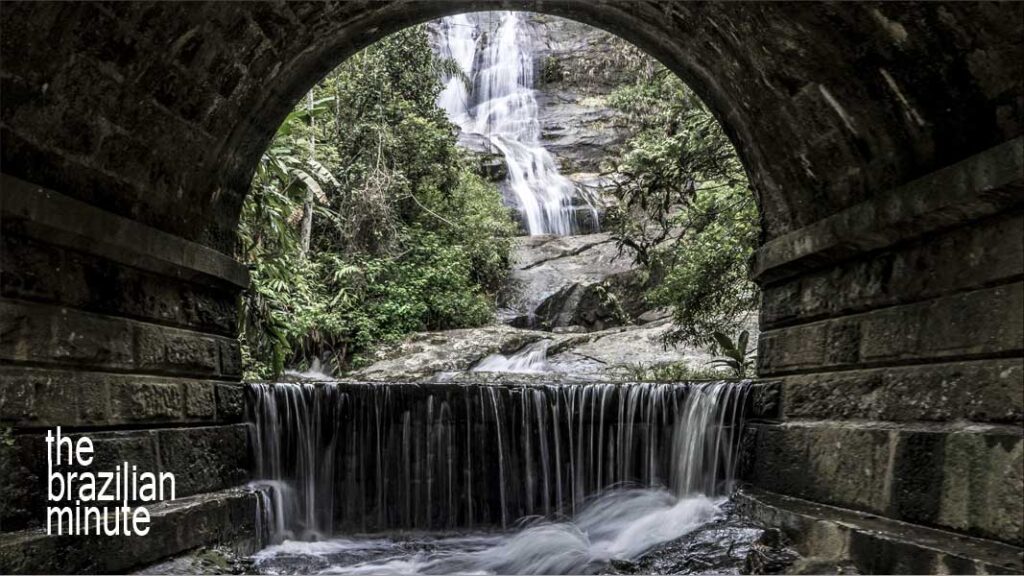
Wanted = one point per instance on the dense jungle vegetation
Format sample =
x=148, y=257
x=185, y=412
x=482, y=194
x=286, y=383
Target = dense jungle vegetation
x=685, y=207
x=365, y=222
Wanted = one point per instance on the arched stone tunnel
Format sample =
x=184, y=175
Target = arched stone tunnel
x=884, y=143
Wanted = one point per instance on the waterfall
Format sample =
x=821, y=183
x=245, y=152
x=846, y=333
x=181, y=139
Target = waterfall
x=501, y=106
x=531, y=359
x=371, y=457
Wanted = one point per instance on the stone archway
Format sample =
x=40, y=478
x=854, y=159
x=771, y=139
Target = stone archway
x=884, y=142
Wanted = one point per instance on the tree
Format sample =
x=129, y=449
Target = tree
x=685, y=208
x=405, y=237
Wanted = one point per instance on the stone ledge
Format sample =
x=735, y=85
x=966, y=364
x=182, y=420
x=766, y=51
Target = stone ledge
x=983, y=323
x=987, y=253
x=57, y=336
x=224, y=517
x=979, y=391
x=44, y=398
x=958, y=476
x=202, y=458
x=42, y=272
x=827, y=535
x=982, y=185
x=65, y=221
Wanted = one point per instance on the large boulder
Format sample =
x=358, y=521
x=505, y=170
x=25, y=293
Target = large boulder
x=564, y=281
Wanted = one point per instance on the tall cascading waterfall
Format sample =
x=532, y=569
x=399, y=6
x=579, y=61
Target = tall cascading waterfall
x=369, y=457
x=501, y=106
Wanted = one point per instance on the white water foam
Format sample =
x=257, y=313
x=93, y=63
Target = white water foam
x=619, y=525
x=530, y=359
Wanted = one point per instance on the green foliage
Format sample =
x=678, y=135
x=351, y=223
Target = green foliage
x=735, y=355
x=404, y=235
x=685, y=208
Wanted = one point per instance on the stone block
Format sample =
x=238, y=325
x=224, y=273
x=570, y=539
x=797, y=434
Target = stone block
x=230, y=402
x=791, y=349
x=961, y=477
x=146, y=401
x=963, y=258
x=199, y=399
x=230, y=358
x=226, y=518
x=23, y=335
x=169, y=350
x=90, y=339
x=981, y=391
x=33, y=332
x=983, y=484
x=847, y=466
x=46, y=398
x=977, y=323
x=205, y=459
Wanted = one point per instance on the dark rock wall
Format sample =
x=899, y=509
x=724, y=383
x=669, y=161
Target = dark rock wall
x=892, y=314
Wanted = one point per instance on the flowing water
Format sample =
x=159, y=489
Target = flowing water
x=500, y=105
x=531, y=359
x=487, y=478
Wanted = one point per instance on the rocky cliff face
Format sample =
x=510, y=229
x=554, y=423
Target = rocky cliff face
x=575, y=305
x=577, y=67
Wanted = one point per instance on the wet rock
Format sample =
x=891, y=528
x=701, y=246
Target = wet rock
x=724, y=546
x=769, y=554
x=426, y=354
x=611, y=354
x=560, y=269
x=204, y=561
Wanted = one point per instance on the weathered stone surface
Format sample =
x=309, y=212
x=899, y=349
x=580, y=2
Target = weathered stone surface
x=162, y=349
x=146, y=402
x=982, y=185
x=64, y=336
x=38, y=398
x=965, y=477
x=981, y=391
x=205, y=459
x=853, y=109
x=230, y=358
x=225, y=517
x=964, y=258
x=230, y=402
x=200, y=400
x=52, y=335
x=982, y=486
x=551, y=275
x=847, y=465
x=971, y=324
x=828, y=538
x=37, y=271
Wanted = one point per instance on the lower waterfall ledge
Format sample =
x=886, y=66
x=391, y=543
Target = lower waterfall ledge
x=828, y=537
x=225, y=517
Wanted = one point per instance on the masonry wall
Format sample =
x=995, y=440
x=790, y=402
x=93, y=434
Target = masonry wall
x=901, y=364
x=134, y=345
x=892, y=317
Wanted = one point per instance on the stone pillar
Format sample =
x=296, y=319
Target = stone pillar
x=128, y=333
x=896, y=328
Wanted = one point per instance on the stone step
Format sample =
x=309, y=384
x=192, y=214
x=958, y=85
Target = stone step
x=828, y=537
x=224, y=517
